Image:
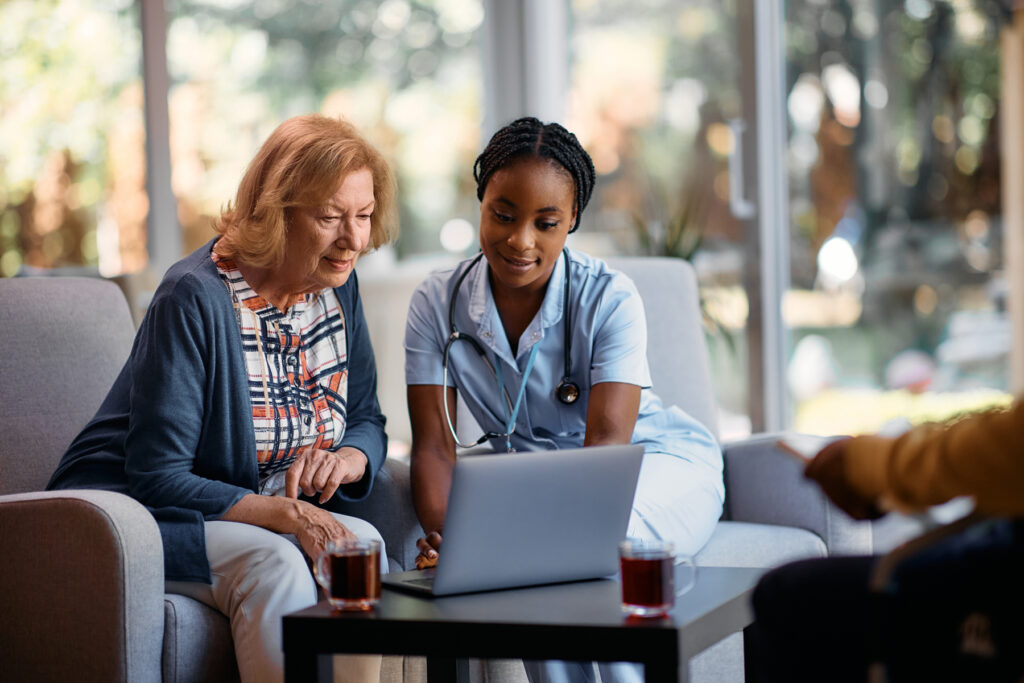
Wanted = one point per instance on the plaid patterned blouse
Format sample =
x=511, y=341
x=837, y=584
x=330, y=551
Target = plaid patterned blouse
x=298, y=373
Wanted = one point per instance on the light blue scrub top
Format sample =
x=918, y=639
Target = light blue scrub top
x=608, y=342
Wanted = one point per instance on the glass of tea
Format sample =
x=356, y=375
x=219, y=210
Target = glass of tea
x=648, y=573
x=349, y=572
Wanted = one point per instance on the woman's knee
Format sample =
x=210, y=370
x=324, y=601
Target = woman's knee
x=252, y=563
x=668, y=476
x=676, y=500
x=362, y=529
x=276, y=560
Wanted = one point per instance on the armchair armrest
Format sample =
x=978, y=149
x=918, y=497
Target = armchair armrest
x=389, y=509
x=81, y=587
x=767, y=486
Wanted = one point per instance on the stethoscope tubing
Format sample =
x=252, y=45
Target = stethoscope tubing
x=567, y=391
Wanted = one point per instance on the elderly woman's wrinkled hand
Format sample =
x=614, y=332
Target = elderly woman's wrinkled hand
x=315, y=469
x=317, y=527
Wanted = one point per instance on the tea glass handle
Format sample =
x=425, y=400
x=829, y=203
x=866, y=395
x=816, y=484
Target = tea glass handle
x=688, y=561
x=321, y=573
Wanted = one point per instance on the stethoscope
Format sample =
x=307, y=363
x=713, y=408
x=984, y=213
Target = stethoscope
x=567, y=391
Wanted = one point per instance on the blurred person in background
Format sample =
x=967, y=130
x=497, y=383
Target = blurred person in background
x=950, y=611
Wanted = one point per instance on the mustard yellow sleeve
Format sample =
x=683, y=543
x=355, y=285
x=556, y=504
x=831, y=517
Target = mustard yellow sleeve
x=979, y=456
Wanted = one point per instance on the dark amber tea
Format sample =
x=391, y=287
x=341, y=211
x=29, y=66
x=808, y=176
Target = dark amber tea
x=648, y=582
x=355, y=577
x=349, y=572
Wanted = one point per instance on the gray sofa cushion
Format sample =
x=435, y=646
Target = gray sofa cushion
x=197, y=642
x=743, y=544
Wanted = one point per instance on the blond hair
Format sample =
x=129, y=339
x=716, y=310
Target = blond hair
x=301, y=164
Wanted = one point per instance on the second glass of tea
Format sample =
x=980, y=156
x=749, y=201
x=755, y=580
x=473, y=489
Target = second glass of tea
x=648, y=571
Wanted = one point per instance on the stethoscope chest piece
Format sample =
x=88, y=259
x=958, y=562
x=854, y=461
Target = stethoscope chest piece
x=568, y=392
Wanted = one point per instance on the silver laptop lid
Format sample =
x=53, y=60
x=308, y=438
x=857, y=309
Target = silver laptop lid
x=531, y=518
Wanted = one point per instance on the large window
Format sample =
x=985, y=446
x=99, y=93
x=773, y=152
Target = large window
x=407, y=72
x=72, y=139
x=654, y=85
x=898, y=299
x=894, y=230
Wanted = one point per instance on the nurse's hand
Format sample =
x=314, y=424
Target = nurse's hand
x=315, y=469
x=428, y=548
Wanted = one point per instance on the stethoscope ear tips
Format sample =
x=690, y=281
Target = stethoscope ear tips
x=567, y=392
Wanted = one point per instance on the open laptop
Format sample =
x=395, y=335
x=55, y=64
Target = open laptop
x=525, y=519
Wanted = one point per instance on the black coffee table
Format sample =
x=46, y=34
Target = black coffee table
x=576, y=621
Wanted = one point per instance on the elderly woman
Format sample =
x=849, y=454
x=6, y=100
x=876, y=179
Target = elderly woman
x=248, y=407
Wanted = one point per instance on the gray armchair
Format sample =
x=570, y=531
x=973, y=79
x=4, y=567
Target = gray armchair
x=771, y=513
x=82, y=581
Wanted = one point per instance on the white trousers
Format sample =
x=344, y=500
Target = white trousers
x=676, y=500
x=258, y=577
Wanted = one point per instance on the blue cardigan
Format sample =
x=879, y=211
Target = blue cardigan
x=175, y=432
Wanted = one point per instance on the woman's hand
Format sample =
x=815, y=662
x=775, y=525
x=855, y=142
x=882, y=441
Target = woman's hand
x=827, y=469
x=428, y=548
x=316, y=528
x=315, y=469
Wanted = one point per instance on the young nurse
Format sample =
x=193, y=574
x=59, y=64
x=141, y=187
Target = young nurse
x=547, y=347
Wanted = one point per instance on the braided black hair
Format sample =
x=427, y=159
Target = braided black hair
x=528, y=137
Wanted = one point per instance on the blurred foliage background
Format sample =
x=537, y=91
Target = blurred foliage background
x=892, y=157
